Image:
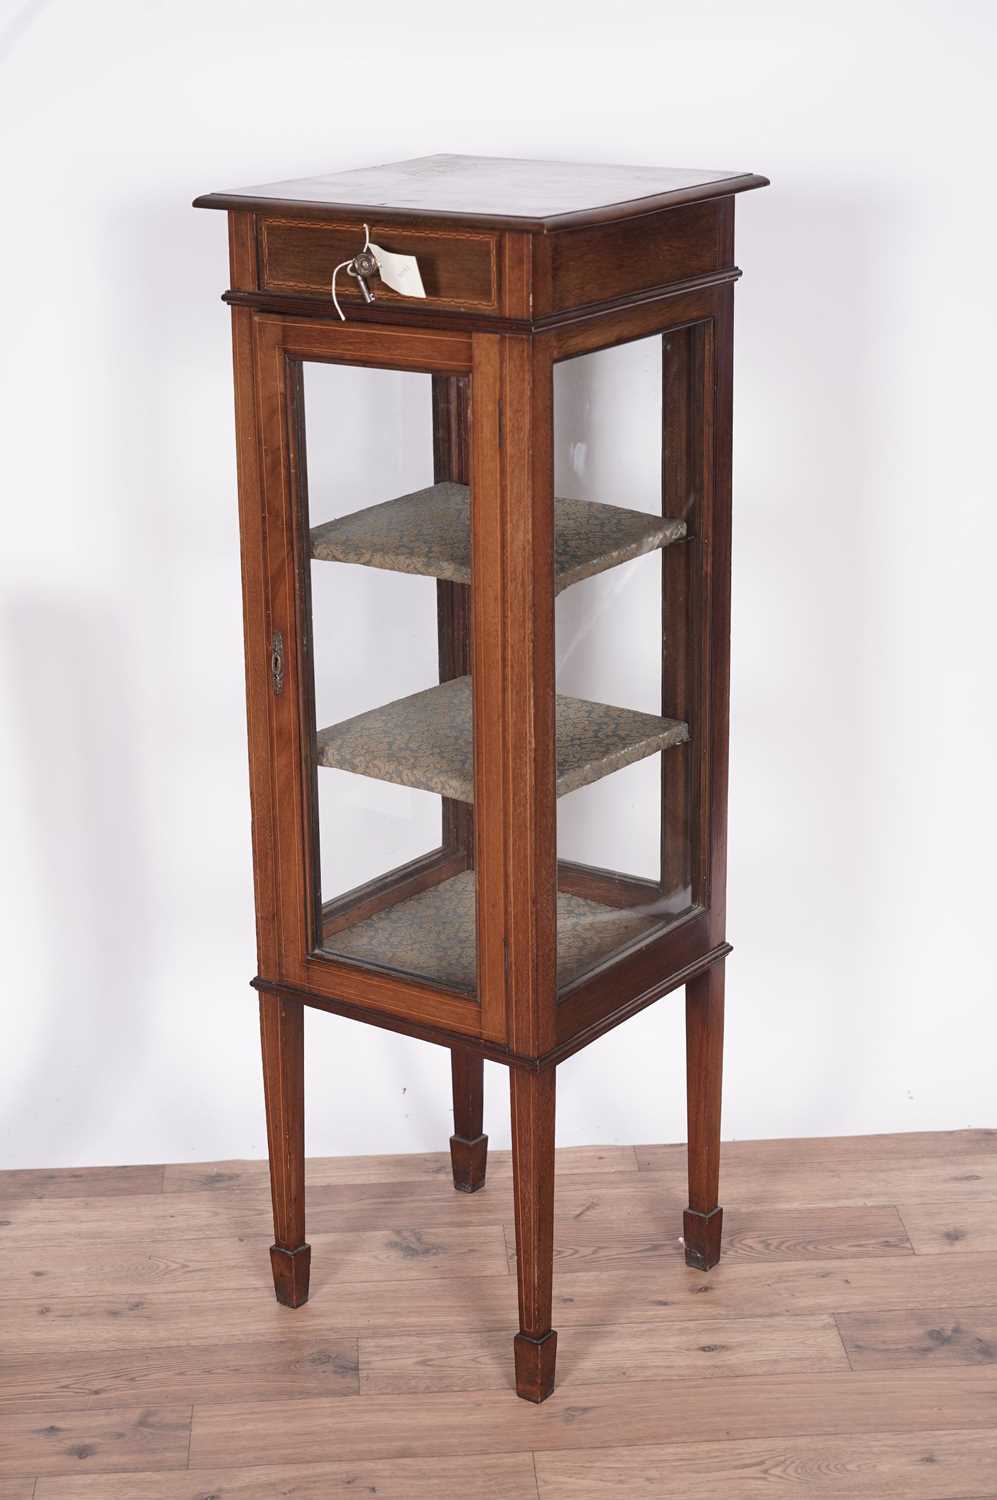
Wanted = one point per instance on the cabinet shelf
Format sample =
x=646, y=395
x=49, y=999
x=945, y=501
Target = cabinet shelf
x=428, y=532
x=433, y=933
x=425, y=741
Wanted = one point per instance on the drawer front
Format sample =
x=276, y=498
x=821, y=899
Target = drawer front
x=459, y=269
x=581, y=267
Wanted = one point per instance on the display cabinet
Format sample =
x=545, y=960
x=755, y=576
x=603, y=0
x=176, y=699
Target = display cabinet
x=486, y=559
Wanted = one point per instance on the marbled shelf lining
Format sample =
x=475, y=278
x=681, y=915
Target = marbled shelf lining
x=426, y=741
x=432, y=934
x=428, y=532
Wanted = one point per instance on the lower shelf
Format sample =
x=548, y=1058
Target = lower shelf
x=431, y=935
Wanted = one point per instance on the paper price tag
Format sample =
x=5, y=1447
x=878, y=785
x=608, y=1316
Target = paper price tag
x=400, y=272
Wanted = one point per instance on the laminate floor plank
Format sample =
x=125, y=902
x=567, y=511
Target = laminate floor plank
x=143, y=1218
x=23, y=1488
x=80, y=1182
x=584, y=1416
x=589, y=1244
x=632, y=1220
x=798, y=1185
x=878, y=1466
x=748, y=1158
x=670, y=1293
x=99, y=1442
x=823, y=1152
x=478, y=1477
x=650, y=1201
x=941, y=1228
x=290, y=1363
x=197, y=1265
x=330, y=1209
x=921, y=1338
x=222, y=1176
x=470, y=1362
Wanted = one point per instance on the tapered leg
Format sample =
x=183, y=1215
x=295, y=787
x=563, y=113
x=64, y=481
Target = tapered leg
x=282, y=1034
x=704, y=1044
x=468, y=1147
x=533, y=1191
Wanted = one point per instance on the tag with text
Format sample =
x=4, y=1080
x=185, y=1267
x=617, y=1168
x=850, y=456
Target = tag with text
x=400, y=272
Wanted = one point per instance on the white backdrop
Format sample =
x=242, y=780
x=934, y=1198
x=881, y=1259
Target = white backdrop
x=862, y=987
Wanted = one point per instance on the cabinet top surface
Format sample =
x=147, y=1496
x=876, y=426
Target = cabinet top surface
x=494, y=188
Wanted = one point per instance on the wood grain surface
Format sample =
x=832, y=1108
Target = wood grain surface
x=844, y=1349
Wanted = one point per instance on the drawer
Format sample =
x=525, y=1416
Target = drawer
x=459, y=268
x=578, y=267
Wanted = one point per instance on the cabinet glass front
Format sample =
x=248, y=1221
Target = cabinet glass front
x=628, y=468
x=386, y=632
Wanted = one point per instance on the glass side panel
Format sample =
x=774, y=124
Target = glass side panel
x=390, y=728
x=627, y=477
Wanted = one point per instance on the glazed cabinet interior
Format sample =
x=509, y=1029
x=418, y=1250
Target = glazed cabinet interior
x=434, y=546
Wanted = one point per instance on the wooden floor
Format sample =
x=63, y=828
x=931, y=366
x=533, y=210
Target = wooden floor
x=845, y=1347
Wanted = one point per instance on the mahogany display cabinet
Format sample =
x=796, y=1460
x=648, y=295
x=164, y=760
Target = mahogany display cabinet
x=486, y=564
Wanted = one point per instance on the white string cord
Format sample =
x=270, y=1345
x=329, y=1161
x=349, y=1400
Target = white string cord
x=343, y=264
x=335, y=299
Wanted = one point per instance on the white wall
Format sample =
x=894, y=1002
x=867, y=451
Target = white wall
x=862, y=821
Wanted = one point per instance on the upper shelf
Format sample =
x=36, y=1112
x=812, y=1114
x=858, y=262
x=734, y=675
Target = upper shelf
x=428, y=532
x=426, y=741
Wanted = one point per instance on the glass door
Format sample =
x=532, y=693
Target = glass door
x=388, y=513
x=629, y=467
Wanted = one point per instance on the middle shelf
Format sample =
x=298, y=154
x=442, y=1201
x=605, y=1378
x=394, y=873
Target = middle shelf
x=426, y=741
